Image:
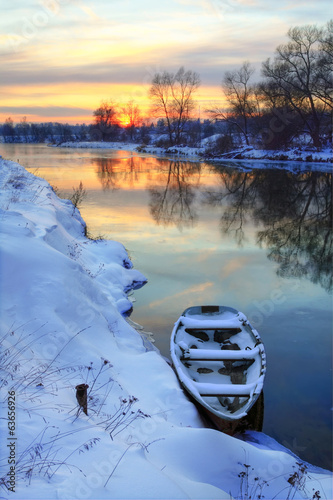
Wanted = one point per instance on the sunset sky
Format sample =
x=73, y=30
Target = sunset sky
x=60, y=58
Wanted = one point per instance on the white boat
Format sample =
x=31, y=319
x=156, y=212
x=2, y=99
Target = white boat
x=220, y=361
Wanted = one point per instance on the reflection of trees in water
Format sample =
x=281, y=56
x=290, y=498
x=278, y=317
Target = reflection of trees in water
x=172, y=204
x=295, y=212
x=115, y=172
x=240, y=187
x=302, y=243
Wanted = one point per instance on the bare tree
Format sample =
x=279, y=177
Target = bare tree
x=132, y=115
x=106, y=119
x=325, y=65
x=241, y=97
x=298, y=76
x=24, y=129
x=172, y=99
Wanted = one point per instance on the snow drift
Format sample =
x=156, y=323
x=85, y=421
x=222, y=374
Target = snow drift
x=64, y=301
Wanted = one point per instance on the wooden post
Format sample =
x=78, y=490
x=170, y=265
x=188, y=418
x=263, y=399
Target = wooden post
x=81, y=396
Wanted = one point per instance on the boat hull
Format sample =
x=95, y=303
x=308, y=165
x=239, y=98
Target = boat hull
x=220, y=361
x=254, y=419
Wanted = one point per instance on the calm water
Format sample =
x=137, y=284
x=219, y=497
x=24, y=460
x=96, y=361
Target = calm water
x=259, y=241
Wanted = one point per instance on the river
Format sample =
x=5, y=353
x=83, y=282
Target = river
x=258, y=240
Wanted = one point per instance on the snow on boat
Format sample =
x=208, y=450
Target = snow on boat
x=220, y=361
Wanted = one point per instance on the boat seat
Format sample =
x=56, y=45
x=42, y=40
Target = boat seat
x=209, y=324
x=218, y=355
x=220, y=390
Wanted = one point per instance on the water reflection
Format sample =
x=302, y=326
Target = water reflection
x=172, y=187
x=295, y=212
x=115, y=173
x=173, y=202
x=106, y=172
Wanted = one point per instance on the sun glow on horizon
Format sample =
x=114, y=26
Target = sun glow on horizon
x=75, y=102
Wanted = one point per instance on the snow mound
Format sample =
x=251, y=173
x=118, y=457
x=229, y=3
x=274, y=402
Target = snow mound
x=134, y=434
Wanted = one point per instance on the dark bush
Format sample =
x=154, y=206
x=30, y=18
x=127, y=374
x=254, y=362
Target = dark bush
x=223, y=144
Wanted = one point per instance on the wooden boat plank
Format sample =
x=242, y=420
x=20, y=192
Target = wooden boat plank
x=209, y=323
x=224, y=389
x=219, y=355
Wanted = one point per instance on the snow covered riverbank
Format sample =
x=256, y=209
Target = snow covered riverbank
x=198, y=154
x=191, y=154
x=63, y=302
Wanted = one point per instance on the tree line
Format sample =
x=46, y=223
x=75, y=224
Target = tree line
x=292, y=101
x=52, y=132
x=293, y=98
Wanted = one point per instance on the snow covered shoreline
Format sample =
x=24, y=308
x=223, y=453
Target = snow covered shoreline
x=63, y=302
x=298, y=155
